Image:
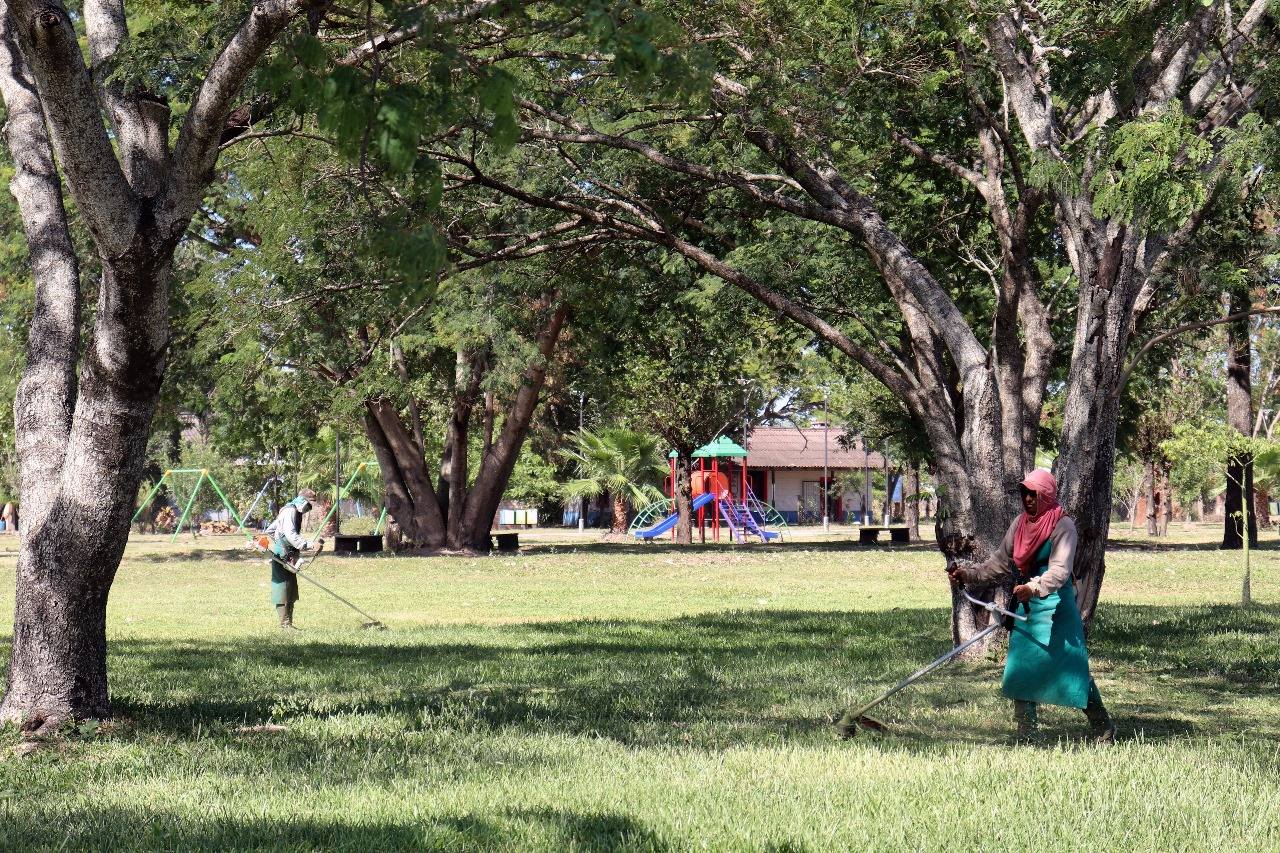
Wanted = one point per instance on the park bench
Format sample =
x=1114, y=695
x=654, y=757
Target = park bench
x=869, y=535
x=357, y=544
x=507, y=543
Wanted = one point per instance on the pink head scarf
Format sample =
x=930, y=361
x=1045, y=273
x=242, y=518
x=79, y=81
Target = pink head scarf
x=1033, y=530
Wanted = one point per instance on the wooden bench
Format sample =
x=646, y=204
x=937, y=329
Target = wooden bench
x=507, y=543
x=357, y=544
x=869, y=535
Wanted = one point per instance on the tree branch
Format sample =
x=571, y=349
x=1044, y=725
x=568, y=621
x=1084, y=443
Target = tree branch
x=201, y=135
x=1178, y=330
x=401, y=35
x=46, y=396
x=952, y=166
x=71, y=108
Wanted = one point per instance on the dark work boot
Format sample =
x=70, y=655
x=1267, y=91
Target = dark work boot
x=1025, y=715
x=1028, y=721
x=285, y=612
x=1101, y=728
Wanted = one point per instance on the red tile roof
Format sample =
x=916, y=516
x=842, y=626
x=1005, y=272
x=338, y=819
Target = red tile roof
x=788, y=447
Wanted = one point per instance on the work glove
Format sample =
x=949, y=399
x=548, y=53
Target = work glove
x=956, y=572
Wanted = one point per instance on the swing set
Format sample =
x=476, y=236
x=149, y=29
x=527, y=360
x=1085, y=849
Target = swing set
x=200, y=480
x=205, y=475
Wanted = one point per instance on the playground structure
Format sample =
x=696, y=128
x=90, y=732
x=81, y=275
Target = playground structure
x=714, y=499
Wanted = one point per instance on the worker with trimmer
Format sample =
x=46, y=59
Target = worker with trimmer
x=286, y=543
x=1047, y=661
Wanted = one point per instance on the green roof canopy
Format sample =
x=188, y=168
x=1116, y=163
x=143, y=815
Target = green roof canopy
x=721, y=448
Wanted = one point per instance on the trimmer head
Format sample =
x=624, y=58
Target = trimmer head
x=848, y=727
x=375, y=626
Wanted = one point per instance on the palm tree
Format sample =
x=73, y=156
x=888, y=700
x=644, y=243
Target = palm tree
x=625, y=463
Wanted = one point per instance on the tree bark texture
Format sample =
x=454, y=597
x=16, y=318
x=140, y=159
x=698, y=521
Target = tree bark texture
x=83, y=416
x=683, y=500
x=458, y=512
x=1239, y=492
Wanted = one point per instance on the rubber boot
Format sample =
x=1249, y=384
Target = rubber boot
x=1025, y=715
x=285, y=612
x=1101, y=728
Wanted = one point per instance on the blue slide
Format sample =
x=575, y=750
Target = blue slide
x=670, y=521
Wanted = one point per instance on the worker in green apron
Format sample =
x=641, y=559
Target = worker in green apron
x=1047, y=661
x=287, y=542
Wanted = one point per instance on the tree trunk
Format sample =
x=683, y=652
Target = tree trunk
x=417, y=506
x=1239, y=493
x=411, y=499
x=71, y=546
x=81, y=444
x=684, y=523
x=1262, y=505
x=619, y=515
x=1166, y=508
x=1152, y=483
x=496, y=467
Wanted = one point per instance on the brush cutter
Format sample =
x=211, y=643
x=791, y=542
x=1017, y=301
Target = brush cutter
x=263, y=543
x=849, y=723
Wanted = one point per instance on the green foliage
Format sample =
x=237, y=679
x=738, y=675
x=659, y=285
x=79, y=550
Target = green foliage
x=1201, y=450
x=533, y=480
x=1154, y=170
x=620, y=461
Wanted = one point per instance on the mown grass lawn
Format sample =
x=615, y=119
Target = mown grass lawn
x=591, y=697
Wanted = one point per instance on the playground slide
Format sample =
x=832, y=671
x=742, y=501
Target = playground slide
x=741, y=522
x=670, y=521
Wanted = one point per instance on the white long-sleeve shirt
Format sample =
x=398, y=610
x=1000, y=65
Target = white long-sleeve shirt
x=288, y=526
x=998, y=567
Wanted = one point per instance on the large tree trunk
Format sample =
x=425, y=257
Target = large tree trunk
x=417, y=506
x=1166, y=508
x=81, y=444
x=684, y=523
x=411, y=499
x=1239, y=493
x=500, y=461
x=76, y=524
x=1152, y=484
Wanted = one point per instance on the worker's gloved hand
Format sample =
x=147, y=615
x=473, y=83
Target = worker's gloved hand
x=1023, y=592
x=956, y=572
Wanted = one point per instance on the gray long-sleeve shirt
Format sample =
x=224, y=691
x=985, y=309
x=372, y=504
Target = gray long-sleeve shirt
x=998, y=568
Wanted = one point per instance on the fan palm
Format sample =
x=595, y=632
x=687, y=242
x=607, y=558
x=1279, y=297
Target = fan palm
x=625, y=463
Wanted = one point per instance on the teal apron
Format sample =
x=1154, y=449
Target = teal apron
x=284, y=583
x=1047, y=660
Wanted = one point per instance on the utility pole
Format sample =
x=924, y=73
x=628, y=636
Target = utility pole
x=826, y=470
x=337, y=482
x=866, y=487
x=888, y=487
x=582, y=501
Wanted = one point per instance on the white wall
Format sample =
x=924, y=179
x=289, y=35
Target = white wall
x=784, y=489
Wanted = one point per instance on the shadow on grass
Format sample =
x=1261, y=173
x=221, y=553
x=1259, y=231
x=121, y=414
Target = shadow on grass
x=710, y=682
x=102, y=828
x=1161, y=546
x=234, y=555
x=723, y=547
